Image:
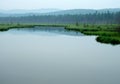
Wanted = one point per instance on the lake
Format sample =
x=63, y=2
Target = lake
x=44, y=55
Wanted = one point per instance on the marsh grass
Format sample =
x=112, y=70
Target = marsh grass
x=109, y=40
x=106, y=33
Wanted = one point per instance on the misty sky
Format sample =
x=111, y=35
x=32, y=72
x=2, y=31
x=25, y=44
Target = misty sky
x=59, y=4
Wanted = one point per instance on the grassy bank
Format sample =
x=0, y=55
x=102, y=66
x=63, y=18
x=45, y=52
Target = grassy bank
x=106, y=33
x=5, y=27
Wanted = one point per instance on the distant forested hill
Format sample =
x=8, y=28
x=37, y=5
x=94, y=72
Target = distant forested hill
x=83, y=11
x=15, y=13
x=103, y=16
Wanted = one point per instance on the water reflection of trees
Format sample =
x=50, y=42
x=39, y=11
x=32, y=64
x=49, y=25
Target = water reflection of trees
x=58, y=30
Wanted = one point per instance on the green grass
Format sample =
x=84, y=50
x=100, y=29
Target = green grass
x=106, y=39
x=106, y=33
x=5, y=27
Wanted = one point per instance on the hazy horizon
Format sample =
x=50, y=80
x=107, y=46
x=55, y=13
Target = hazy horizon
x=57, y=4
x=56, y=9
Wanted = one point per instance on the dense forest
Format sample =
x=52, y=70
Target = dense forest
x=96, y=18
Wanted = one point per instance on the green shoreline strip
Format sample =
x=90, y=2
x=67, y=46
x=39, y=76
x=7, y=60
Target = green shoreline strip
x=109, y=34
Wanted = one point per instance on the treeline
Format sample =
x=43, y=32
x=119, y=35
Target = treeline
x=96, y=18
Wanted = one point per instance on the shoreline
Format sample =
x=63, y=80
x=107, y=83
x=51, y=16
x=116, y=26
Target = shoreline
x=109, y=34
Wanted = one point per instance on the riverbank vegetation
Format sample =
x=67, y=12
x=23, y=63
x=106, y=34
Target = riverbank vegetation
x=105, y=33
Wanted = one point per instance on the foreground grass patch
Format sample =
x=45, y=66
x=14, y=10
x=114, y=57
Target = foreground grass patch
x=106, y=33
x=107, y=39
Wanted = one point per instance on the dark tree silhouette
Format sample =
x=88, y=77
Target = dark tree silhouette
x=96, y=18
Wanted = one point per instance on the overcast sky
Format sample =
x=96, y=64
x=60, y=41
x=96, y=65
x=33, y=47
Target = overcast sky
x=59, y=4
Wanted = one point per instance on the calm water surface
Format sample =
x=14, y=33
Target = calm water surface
x=49, y=56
